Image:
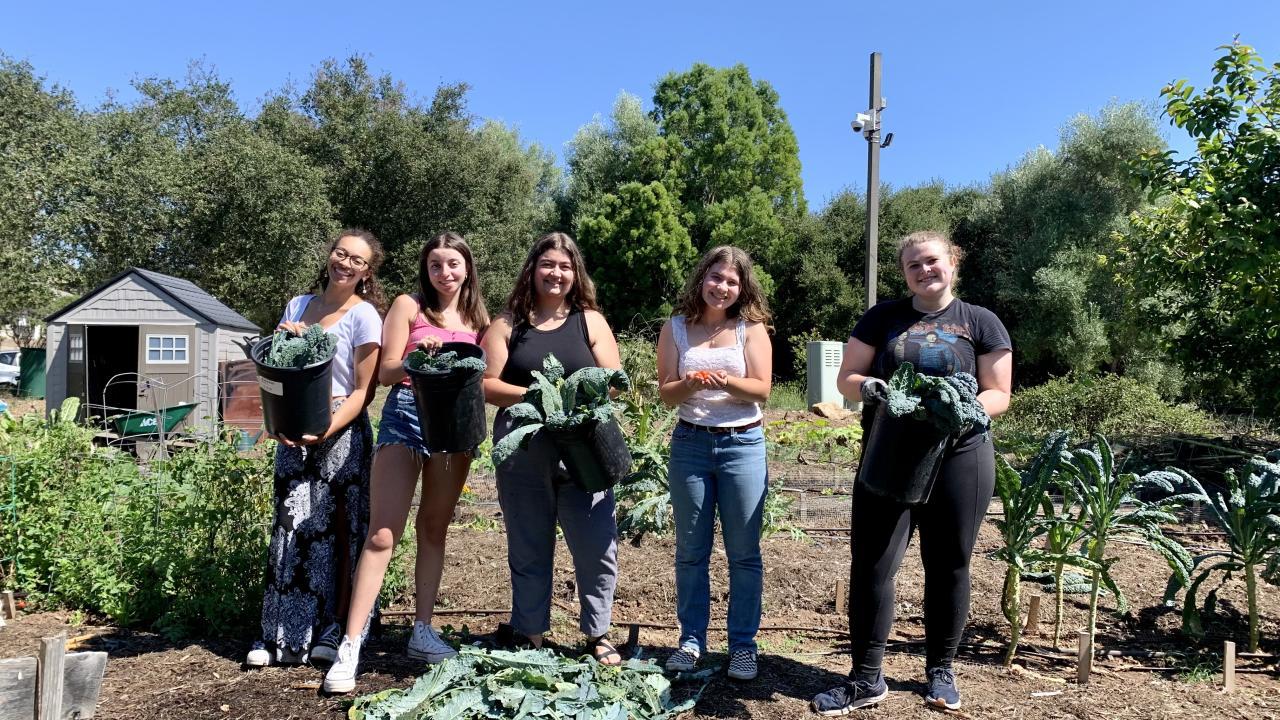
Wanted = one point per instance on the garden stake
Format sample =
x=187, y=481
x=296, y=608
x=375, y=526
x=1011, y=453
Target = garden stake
x=633, y=637
x=1228, y=666
x=842, y=596
x=53, y=658
x=1033, y=616
x=1084, y=657
x=10, y=610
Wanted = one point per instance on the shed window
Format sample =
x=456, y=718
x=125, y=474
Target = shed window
x=76, y=351
x=162, y=349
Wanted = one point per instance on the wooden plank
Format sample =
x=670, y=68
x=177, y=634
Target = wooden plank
x=633, y=637
x=1033, y=616
x=18, y=688
x=10, y=608
x=82, y=683
x=1084, y=658
x=1228, y=666
x=842, y=596
x=53, y=658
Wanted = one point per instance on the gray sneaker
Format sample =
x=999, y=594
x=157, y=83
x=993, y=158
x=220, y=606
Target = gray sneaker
x=425, y=644
x=325, y=649
x=341, y=677
x=682, y=660
x=742, y=664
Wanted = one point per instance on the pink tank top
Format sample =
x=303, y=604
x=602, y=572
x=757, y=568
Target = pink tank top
x=422, y=328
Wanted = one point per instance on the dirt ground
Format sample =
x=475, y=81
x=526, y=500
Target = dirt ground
x=148, y=677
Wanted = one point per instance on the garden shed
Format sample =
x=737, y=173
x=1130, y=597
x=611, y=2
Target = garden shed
x=144, y=341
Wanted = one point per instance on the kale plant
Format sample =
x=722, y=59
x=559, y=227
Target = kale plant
x=298, y=351
x=559, y=403
x=442, y=363
x=950, y=403
x=479, y=683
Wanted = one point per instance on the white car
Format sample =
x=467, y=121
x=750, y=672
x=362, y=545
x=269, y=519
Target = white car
x=9, y=369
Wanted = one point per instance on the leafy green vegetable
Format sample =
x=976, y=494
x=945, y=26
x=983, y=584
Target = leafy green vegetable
x=442, y=362
x=950, y=403
x=298, y=351
x=560, y=403
x=479, y=683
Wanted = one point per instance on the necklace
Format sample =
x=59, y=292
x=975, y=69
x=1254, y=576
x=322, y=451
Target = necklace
x=714, y=332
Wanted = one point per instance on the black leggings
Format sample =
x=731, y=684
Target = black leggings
x=948, y=524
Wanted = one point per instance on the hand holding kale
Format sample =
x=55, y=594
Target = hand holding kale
x=950, y=403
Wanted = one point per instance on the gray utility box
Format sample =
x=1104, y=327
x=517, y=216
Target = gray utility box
x=824, y=358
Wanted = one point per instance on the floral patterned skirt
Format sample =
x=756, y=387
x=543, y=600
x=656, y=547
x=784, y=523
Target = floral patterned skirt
x=320, y=490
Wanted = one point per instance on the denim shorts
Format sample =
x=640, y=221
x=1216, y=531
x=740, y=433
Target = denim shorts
x=399, y=424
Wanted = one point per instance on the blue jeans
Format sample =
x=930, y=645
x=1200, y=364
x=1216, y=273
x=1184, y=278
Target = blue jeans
x=726, y=471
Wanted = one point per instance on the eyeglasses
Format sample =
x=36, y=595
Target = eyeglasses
x=356, y=261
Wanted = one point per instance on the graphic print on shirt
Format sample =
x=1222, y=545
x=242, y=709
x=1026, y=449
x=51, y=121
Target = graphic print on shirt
x=930, y=346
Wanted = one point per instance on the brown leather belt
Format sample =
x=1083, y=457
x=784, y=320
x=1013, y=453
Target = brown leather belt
x=720, y=430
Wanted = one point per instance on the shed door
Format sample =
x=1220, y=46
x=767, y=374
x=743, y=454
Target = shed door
x=76, y=366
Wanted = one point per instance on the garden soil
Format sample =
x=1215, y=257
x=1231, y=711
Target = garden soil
x=149, y=677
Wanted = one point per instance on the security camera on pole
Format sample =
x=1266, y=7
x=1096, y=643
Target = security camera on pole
x=868, y=123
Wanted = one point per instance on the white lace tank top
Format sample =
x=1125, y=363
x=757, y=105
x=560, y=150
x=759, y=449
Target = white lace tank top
x=714, y=408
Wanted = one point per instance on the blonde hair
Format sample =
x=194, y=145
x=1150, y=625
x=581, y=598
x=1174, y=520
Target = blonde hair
x=751, y=304
x=954, y=251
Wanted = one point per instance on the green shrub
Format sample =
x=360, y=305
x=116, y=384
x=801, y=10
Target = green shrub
x=640, y=362
x=788, y=396
x=1108, y=404
x=180, y=545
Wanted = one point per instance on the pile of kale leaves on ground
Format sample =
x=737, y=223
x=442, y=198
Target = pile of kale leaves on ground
x=479, y=683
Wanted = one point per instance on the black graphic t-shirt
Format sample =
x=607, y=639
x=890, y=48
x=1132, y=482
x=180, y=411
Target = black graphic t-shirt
x=940, y=343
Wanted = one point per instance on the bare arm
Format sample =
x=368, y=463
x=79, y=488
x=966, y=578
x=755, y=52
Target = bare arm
x=858, y=357
x=758, y=352
x=604, y=347
x=362, y=394
x=995, y=381
x=395, y=334
x=496, y=392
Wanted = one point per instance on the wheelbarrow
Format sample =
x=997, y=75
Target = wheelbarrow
x=140, y=422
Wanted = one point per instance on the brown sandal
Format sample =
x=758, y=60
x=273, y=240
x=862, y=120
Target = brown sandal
x=605, y=653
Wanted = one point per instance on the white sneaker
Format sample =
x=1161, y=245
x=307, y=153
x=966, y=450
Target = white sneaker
x=682, y=660
x=325, y=649
x=258, y=656
x=425, y=644
x=341, y=677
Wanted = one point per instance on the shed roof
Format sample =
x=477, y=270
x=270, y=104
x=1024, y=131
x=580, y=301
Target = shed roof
x=182, y=292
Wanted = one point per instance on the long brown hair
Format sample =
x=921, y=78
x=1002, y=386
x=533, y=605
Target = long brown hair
x=751, y=304
x=470, y=298
x=368, y=289
x=524, y=297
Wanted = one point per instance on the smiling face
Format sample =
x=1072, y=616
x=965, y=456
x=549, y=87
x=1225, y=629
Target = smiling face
x=553, y=275
x=349, y=261
x=721, y=286
x=447, y=270
x=928, y=268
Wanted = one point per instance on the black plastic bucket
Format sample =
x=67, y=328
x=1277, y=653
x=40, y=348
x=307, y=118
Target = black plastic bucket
x=295, y=401
x=450, y=404
x=901, y=457
x=595, y=455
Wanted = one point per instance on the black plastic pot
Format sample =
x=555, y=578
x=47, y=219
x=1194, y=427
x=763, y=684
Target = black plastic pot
x=295, y=402
x=595, y=455
x=450, y=404
x=901, y=457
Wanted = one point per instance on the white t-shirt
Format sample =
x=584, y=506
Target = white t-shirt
x=358, y=326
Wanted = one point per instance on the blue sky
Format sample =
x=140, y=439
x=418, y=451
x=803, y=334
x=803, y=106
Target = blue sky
x=971, y=86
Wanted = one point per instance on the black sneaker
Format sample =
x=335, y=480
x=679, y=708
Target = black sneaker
x=942, y=690
x=845, y=699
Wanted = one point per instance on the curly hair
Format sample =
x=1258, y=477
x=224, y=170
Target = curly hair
x=368, y=289
x=470, y=298
x=751, y=304
x=524, y=296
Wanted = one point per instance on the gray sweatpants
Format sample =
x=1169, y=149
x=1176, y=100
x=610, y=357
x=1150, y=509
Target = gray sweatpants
x=534, y=492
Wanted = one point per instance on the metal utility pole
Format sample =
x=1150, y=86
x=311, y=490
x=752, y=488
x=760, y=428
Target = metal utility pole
x=868, y=124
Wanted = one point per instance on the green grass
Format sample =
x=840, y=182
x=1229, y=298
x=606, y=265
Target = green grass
x=789, y=395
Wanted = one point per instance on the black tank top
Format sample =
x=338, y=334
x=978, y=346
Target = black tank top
x=529, y=346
